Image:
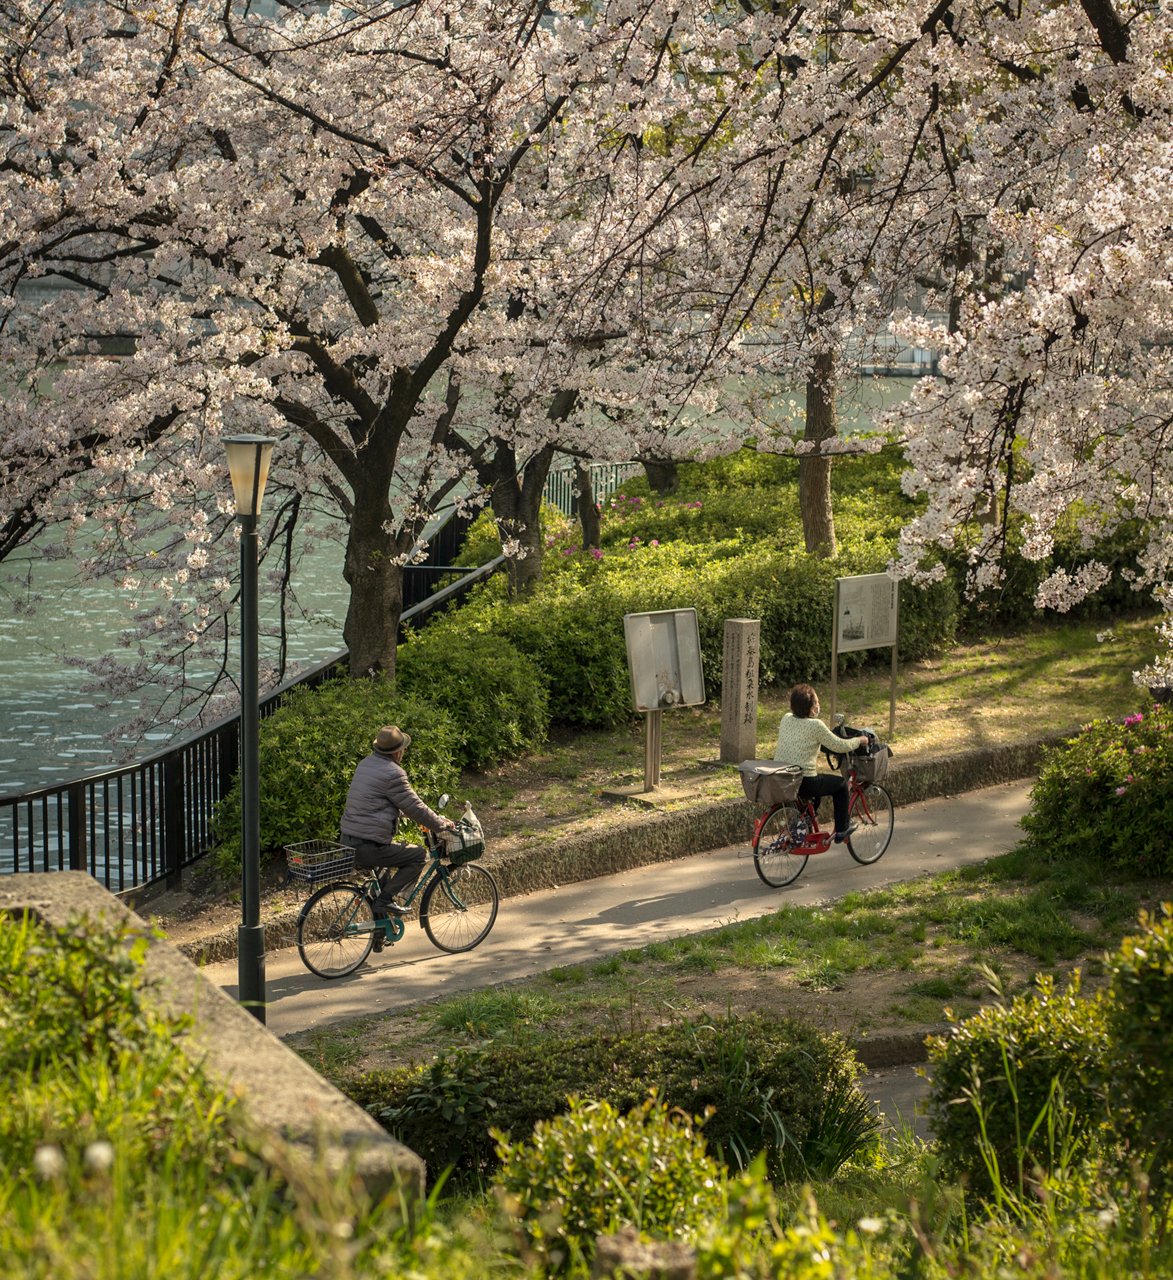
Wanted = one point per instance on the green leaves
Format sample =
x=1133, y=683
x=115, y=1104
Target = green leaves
x=495, y=695
x=1106, y=793
x=771, y=1082
x=595, y=1169
x=309, y=749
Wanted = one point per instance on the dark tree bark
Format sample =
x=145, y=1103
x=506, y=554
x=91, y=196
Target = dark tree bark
x=814, y=473
x=517, y=504
x=588, y=511
x=662, y=475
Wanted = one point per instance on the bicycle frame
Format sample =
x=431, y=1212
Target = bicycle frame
x=392, y=926
x=817, y=841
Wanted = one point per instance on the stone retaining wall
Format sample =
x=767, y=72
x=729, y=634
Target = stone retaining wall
x=281, y=1093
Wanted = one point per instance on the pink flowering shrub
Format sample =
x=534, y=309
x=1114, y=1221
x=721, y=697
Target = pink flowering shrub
x=1108, y=793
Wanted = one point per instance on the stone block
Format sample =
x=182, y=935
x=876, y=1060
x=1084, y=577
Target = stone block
x=739, y=690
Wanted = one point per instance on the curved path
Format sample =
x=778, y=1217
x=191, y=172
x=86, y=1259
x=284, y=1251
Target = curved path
x=594, y=918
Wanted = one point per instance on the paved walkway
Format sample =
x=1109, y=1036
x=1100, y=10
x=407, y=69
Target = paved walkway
x=595, y=918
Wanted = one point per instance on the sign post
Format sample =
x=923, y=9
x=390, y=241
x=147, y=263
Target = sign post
x=664, y=661
x=867, y=616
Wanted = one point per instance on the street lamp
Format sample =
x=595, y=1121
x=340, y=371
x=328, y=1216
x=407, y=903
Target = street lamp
x=248, y=465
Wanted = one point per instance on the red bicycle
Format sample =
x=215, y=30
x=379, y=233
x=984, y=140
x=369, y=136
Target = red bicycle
x=786, y=835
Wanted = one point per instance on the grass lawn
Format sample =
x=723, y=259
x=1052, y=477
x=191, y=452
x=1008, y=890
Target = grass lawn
x=893, y=959
x=988, y=691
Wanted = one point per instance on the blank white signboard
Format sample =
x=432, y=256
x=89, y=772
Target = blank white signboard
x=664, y=659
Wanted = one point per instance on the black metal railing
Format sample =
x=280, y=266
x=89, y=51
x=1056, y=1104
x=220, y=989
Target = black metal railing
x=146, y=821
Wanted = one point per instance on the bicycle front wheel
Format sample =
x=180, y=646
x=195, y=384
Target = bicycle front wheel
x=458, y=912
x=774, y=855
x=335, y=930
x=872, y=809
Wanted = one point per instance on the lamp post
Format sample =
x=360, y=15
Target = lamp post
x=248, y=465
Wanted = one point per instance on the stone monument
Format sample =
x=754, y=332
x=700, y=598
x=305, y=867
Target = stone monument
x=739, y=690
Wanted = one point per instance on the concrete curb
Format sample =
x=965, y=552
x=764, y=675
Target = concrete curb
x=898, y=1050
x=282, y=1093
x=663, y=837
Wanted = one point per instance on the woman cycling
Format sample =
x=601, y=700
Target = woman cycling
x=800, y=735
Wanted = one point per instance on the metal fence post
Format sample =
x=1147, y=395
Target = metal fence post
x=173, y=820
x=78, y=854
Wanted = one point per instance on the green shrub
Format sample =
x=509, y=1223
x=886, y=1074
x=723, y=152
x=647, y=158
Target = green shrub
x=775, y=1084
x=309, y=749
x=1140, y=1021
x=594, y=1170
x=997, y=1073
x=1107, y=792
x=572, y=627
x=496, y=696
x=482, y=543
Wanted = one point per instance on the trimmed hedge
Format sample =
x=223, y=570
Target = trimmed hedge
x=572, y=627
x=1107, y=791
x=309, y=749
x=1007, y=1059
x=775, y=1084
x=495, y=695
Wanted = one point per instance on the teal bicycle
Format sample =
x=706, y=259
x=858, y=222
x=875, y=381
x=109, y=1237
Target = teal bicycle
x=336, y=928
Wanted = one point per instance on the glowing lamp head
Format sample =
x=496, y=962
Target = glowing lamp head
x=248, y=465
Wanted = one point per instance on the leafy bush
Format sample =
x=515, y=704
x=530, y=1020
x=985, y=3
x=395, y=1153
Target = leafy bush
x=1140, y=1021
x=1107, y=791
x=998, y=1073
x=496, y=696
x=309, y=749
x=572, y=627
x=775, y=1084
x=482, y=543
x=594, y=1170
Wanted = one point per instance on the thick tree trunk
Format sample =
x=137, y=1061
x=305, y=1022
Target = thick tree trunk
x=814, y=473
x=588, y=512
x=376, y=586
x=517, y=504
x=662, y=475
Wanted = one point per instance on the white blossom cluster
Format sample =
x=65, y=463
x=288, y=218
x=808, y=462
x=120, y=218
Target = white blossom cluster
x=425, y=244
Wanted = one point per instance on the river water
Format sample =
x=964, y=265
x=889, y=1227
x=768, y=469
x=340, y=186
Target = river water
x=50, y=730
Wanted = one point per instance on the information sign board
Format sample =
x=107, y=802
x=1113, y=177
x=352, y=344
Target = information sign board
x=866, y=612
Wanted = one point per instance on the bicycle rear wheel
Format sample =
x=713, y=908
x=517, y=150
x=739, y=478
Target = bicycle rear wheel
x=774, y=856
x=335, y=930
x=458, y=915
x=872, y=809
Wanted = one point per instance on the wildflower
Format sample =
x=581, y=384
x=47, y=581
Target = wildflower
x=596, y=553
x=1121, y=790
x=1131, y=720
x=48, y=1161
x=99, y=1156
x=655, y=542
x=659, y=504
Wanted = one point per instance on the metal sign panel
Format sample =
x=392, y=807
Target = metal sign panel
x=664, y=659
x=866, y=613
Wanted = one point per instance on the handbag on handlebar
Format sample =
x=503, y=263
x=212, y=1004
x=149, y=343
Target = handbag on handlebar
x=870, y=761
x=768, y=782
x=464, y=843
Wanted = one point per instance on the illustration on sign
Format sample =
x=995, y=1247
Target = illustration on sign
x=867, y=612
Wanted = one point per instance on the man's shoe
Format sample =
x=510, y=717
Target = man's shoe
x=840, y=836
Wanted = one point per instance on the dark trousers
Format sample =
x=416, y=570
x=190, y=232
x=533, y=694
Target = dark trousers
x=409, y=858
x=828, y=784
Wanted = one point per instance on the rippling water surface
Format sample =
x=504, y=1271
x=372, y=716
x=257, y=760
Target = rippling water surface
x=49, y=729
